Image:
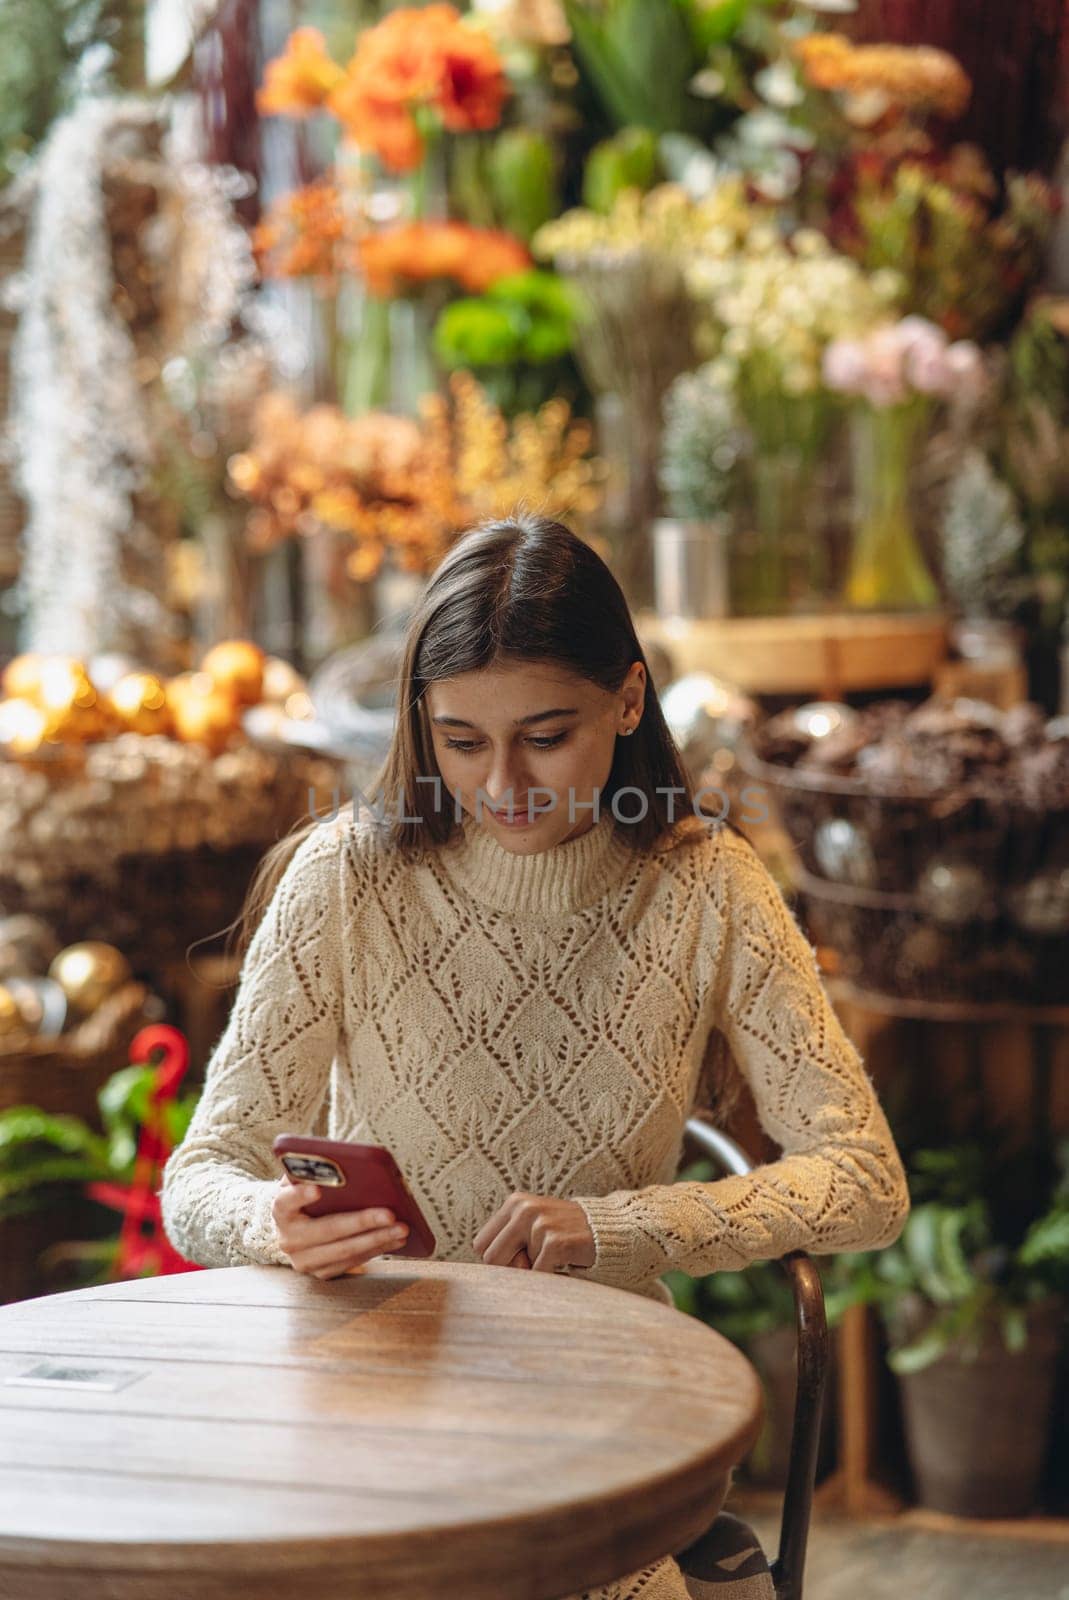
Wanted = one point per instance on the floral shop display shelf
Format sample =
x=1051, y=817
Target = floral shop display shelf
x=831, y=653
x=144, y=841
x=933, y=843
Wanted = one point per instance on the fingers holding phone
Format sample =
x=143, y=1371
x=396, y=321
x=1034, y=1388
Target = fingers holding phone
x=329, y=1246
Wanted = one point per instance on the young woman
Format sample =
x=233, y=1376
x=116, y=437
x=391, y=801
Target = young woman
x=526, y=1009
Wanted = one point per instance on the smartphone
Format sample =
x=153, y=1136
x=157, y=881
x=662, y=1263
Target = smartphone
x=355, y=1177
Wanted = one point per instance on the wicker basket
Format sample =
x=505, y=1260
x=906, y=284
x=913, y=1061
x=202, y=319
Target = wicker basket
x=64, y=1074
x=152, y=860
x=924, y=899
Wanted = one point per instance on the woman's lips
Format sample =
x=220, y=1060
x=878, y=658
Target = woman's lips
x=518, y=818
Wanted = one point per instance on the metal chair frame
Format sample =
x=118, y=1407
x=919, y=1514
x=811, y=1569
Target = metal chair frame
x=812, y=1357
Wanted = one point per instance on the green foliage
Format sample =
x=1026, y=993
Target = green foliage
x=626, y=161
x=640, y=57
x=39, y=1150
x=521, y=173
x=963, y=1263
x=517, y=338
x=1039, y=362
x=1031, y=448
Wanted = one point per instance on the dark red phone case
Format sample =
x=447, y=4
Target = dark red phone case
x=372, y=1180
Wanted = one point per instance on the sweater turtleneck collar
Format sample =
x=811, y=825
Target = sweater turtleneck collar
x=551, y=882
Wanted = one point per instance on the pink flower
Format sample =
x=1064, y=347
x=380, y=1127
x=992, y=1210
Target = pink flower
x=912, y=331
x=927, y=369
x=884, y=383
x=844, y=366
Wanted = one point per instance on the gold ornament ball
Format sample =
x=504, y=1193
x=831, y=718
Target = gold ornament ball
x=23, y=727
x=78, y=724
x=88, y=973
x=74, y=710
x=237, y=666
x=185, y=684
x=139, y=701
x=11, y=1018
x=23, y=675
x=207, y=716
x=28, y=1001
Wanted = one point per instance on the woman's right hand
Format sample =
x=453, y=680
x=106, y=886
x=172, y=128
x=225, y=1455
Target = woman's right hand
x=327, y=1247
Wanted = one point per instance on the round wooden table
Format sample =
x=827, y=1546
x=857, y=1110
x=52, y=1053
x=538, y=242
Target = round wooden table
x=415, y=1429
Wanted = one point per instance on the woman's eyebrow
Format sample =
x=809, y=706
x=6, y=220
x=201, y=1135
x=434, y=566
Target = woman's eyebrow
x=522, y=722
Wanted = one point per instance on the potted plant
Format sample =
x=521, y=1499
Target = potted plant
x=700, y=446
x=973, y=1302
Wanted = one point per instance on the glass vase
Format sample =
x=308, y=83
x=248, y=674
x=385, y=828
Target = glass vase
x=887, y=569
x=389, y=361
x=775, y=556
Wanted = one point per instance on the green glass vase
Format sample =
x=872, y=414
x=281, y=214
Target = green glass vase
x=887, y=570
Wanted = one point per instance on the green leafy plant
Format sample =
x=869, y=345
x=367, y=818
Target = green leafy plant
x=516, y=338
x=963, y=1262
x=641, y=58
x=521, y=176
x=626, y=161
x=42, y=1154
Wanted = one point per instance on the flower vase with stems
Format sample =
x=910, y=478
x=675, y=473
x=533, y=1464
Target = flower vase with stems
x=771, y=555
x=893, y=377
x=779, y=559
x=887, y=569
x=388, y=364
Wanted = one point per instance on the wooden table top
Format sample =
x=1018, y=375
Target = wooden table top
x=416, y=1429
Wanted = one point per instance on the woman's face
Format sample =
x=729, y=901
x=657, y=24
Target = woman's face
x=526, y=735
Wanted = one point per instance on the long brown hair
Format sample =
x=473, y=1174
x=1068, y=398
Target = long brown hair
x=522, y=589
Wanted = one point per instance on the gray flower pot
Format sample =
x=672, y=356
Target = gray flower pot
x=690, y=568
x=977, y=1431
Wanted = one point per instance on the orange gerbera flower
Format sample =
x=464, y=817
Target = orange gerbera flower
x=472, y=87
x=300, y=79
x=374, y=122
x=418, y=56
x=490, y=255
x=395, y=259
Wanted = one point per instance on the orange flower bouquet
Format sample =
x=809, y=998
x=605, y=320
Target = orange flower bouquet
x=419, y=74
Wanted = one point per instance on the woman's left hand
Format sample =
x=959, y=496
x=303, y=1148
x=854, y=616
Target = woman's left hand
x=552, y=1234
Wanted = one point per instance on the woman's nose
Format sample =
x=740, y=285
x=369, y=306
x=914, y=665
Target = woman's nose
x=505, y=775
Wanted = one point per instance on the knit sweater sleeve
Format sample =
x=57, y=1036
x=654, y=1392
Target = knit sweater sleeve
x=268, y=1073
x=839, y=1184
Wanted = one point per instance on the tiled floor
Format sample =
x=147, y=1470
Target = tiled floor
x=882, y=1561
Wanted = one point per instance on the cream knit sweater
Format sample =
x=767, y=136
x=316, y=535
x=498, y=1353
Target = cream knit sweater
x=542, y=1022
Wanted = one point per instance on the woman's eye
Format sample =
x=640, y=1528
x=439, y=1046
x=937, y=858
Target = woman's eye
x=466, y=747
